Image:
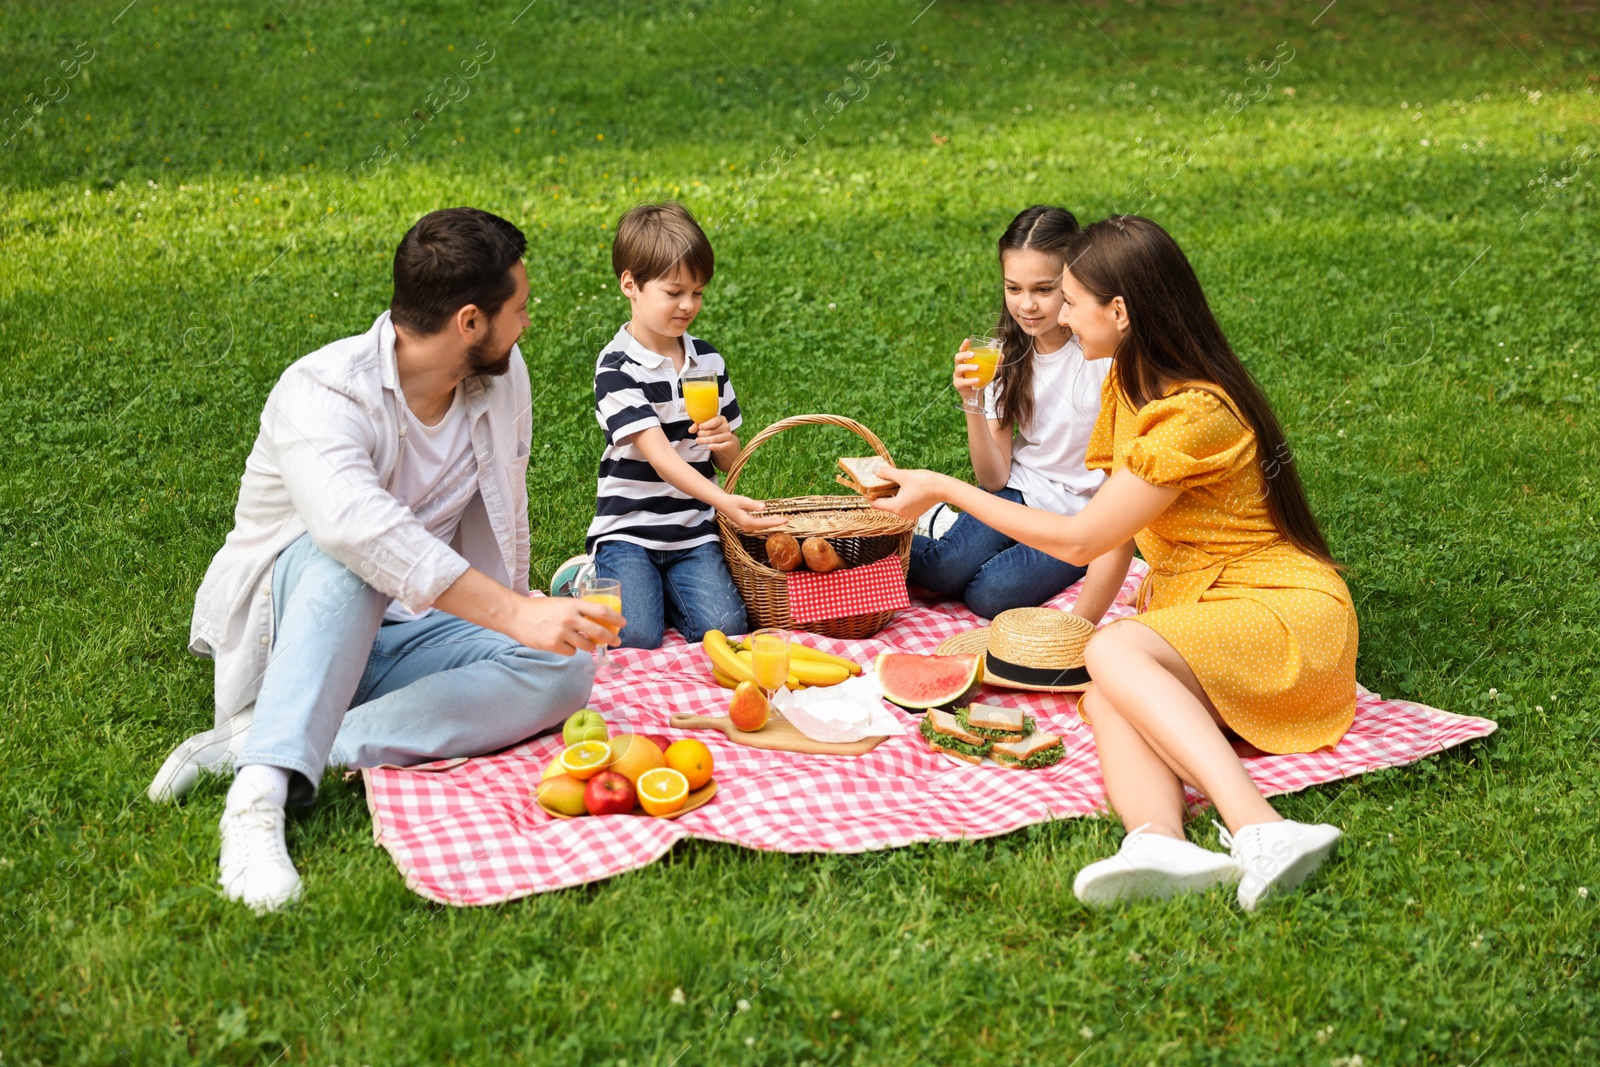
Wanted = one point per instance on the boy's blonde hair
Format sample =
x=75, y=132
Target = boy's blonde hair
x=653, y=239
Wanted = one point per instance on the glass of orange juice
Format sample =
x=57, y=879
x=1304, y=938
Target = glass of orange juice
x=608, y=593
x=985, y=353
x=701, y=397
x=769, y=656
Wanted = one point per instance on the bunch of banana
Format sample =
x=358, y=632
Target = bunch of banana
x=733, y=662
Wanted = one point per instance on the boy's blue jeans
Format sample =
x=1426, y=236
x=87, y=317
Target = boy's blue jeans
x=343, y=688
x=687, y=588
x=985, y=568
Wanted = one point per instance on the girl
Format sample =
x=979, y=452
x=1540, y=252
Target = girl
x=1246, y=627
x=1026, y=433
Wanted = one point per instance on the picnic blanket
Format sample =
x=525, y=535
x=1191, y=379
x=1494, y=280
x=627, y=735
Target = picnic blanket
x=467, y=832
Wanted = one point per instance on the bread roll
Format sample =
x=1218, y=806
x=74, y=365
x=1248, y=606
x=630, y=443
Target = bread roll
x=783, y=552
x=820, y=555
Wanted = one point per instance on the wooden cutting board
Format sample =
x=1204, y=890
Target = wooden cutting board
x=779, y=735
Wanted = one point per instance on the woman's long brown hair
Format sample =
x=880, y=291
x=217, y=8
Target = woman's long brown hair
x=1173, y=339
x=1042, y=229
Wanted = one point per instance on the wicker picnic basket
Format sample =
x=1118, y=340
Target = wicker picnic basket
x=859, y=533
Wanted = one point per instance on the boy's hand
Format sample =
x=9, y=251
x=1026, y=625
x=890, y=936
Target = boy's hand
x=714, y=434
x=743, y=512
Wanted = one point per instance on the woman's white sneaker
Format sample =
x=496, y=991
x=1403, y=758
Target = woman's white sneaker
x=1153, y=866
x=254, y=866
x=209, y=752
x=1277, y=856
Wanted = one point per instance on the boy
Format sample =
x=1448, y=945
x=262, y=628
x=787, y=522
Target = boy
x=654, y=527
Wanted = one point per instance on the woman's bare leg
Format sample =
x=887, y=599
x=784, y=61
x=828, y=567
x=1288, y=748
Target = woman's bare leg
x=1140, y=786
x=1153, y=693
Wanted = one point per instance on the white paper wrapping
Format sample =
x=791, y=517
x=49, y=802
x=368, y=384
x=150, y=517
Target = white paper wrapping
x=849, y=711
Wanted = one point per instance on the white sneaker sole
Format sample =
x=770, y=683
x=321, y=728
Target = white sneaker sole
x=1115, y=883
x=1318, y=848
x=265, y=904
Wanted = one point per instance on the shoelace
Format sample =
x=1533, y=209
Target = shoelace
x=1133, y=836
x=261, y=833
x=1244, y=840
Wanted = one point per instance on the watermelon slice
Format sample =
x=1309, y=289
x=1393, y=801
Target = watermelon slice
x=922, y=682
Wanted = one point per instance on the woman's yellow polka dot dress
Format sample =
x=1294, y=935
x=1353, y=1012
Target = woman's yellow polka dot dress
x=1269, y=631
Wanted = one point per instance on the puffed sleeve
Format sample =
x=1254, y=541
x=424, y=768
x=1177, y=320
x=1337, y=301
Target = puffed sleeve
x=1190, y=439
x=1098, y=456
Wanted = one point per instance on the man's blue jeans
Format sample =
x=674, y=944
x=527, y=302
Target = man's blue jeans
x=985, y=568
x=343, y=688
x=687, y=588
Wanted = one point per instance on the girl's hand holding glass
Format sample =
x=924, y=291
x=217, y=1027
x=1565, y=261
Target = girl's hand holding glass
x=976, y=364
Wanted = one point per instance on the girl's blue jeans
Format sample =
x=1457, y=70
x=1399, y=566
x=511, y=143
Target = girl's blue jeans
x=986, y=569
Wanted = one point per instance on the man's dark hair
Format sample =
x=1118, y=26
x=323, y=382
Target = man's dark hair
x=449, y=259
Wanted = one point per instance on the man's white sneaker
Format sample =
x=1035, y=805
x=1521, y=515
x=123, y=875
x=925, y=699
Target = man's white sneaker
x=1153, y=866
x=210, y=752
x=1277, y=856
x=254, y=867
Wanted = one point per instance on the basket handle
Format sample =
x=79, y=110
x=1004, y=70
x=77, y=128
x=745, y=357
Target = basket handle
x=802, y=420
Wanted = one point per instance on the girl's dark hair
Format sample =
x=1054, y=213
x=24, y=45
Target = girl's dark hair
x=449, y=259
x=1173, y=339
x=1042, y=229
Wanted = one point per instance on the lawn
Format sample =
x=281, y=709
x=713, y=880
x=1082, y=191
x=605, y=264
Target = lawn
x=1394, y=212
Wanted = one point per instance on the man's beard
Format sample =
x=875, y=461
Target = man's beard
x=487, y=358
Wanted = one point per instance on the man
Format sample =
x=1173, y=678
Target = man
x=370, y=605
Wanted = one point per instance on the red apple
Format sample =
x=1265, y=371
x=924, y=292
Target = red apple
x=608, y=793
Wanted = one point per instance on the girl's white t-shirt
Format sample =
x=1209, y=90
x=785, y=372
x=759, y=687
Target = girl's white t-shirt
x=1047, y=456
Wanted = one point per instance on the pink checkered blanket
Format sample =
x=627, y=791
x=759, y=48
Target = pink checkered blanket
x=469, y=832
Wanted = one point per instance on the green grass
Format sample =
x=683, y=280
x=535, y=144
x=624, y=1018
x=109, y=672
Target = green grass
x=1403, y=248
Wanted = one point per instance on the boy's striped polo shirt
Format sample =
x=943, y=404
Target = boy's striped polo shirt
x=635, y=389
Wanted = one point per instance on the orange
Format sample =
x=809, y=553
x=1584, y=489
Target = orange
x=633, y=754
x=662, y=791
x=586, y=759
x=691, y=759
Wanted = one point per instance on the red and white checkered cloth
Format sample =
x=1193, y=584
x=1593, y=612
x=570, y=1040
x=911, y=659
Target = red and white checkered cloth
x=879, y=586
x=469, y=832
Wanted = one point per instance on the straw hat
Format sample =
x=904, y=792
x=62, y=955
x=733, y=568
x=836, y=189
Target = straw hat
x=1029, y=648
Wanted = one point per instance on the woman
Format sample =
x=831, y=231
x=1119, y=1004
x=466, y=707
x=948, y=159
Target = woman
x=1246, y=628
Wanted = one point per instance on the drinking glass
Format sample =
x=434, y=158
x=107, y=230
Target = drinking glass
x=985, y=352
x=769, y=654
x=606, y=592
x=701, y=397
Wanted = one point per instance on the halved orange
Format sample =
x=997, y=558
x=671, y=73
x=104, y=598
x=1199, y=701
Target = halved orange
x=586, y=759
x=662, y=791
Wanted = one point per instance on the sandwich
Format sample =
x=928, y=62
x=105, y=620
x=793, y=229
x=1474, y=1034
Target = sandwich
x=861, y=474
x=944, y=734
x=1038, y=749
x=995, y=722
